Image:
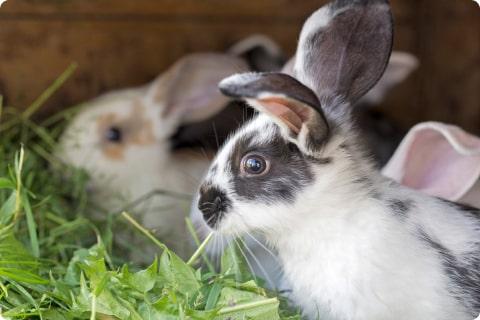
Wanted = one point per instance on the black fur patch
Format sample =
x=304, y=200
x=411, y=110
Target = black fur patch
x=290, y=170
x=364, y=180
x=400, y=207
x=326, y=160
x=212, y=132
x=464, y=273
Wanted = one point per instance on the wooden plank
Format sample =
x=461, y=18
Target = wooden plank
x=110, y=54
x=277, y=8
x=120, y=43
x=446, y=86
x=173, y=10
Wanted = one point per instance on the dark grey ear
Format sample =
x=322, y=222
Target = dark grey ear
x=260, y=52
x=344, y=48
x=292, y=105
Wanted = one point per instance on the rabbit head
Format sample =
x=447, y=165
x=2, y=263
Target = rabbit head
x=123, y=138
x=303, y=144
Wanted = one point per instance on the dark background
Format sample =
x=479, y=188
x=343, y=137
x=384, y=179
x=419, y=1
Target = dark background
x=120, y=43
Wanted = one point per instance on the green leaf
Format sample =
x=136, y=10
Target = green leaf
x=151, y=312
x=7, y=210
x=6, y=183
x=21, y=275
x=234, y=263
x=265, y=309
x=213, y=296
x=143, y=280
x=232, y=297
x=16, y=263
x=177, y=274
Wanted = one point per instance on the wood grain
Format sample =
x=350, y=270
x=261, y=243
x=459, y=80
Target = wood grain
x=121, y=43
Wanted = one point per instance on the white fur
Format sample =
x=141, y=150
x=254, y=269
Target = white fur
x=319, y=19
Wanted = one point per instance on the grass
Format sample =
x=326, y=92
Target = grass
x=56, y=263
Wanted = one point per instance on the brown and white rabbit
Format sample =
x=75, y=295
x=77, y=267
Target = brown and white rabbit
x=352, y=243
x=137, y=141
x=126, y=141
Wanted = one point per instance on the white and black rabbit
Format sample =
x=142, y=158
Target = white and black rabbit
x=381, y=137
x=352, y=243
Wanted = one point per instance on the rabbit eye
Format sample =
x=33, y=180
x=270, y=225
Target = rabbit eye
x=114, y=134
x=253, y=164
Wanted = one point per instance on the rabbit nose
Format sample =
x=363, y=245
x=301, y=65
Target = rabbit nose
x=213, y=204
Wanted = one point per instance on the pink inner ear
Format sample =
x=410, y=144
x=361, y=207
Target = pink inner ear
x=437, y=159
x=292, y=114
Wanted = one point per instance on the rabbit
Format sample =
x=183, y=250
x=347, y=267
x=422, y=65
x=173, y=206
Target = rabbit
x=352, y=243
x=125, y=141
x=261, y=53
x=381, y=136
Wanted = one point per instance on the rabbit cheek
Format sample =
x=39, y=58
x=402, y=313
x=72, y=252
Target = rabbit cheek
x=114, y=152
x=106, y=124
x=117, y=134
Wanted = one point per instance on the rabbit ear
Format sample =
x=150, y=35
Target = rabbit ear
x=438, y=159
x=293, y=106
x=344, y=48
x=400, y=66
x=188, y=90
x=260, y=52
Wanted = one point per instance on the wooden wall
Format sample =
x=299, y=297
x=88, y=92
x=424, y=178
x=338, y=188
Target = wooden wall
x=119, y=43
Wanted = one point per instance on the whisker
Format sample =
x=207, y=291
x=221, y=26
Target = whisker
x=204, y=153
x=274, y=256
x=216, y=135
x=265, y=273
x=189, y=178
x=246, y=258
x=220, y=251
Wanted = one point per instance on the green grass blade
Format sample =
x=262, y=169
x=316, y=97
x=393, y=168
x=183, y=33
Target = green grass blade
x=50, y=91
x=32, y=226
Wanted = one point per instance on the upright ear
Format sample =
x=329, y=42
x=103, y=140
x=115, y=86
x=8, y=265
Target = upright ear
x=400, y=66
x=292, y=105
x=188, y=90
x=344, y=48
x=260, y=52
